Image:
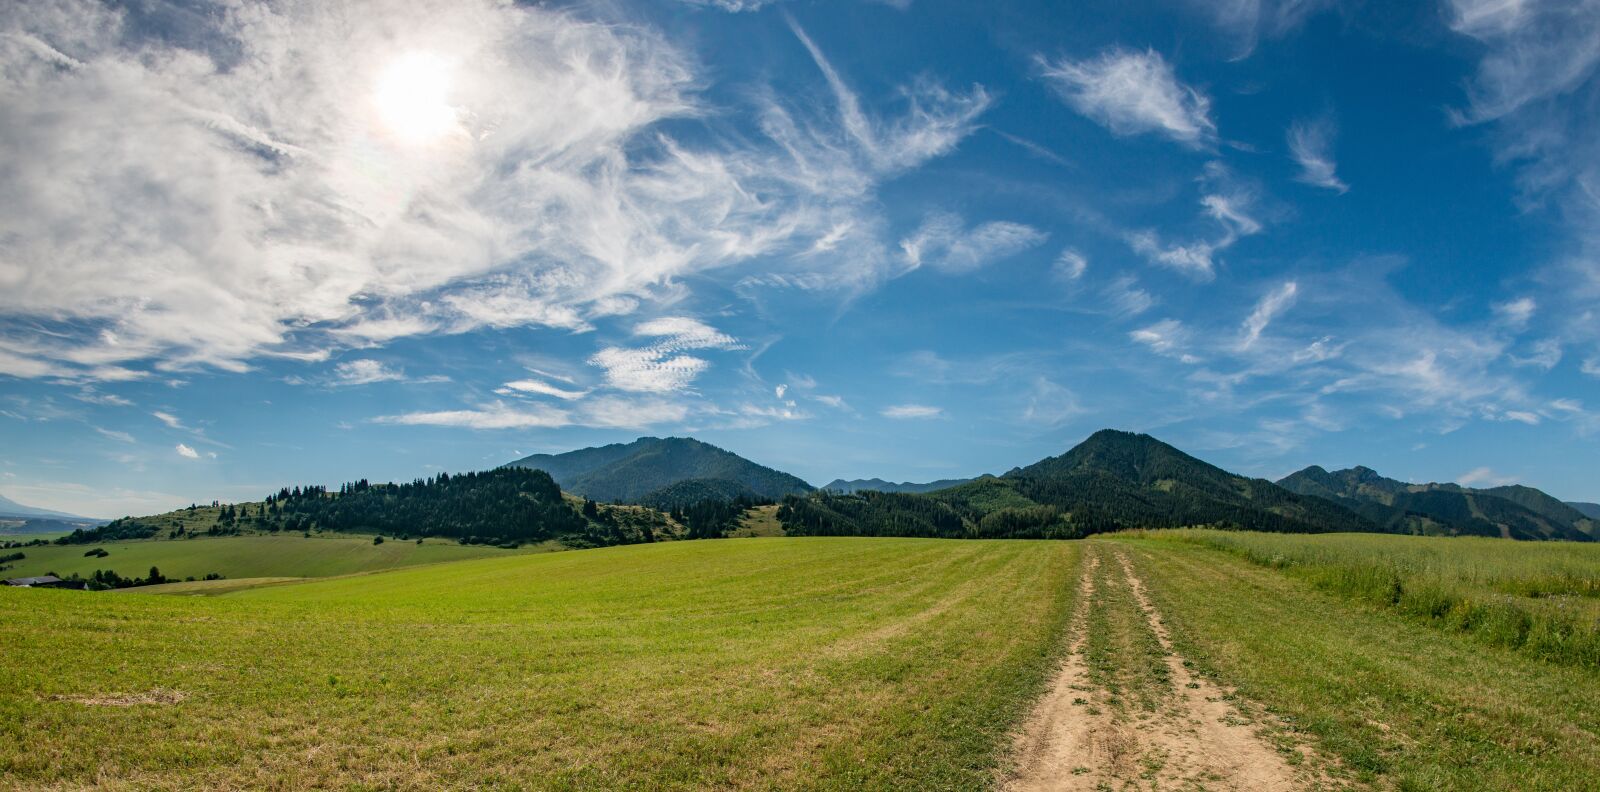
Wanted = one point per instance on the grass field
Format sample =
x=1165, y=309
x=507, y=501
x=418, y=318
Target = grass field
x=1540, y=597
x=1155, y=661
x=763, y=663
x=250, y=556
x=1398, y=704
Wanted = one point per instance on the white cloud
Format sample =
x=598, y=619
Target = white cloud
x=1126, y=298
x=541, y=388
x=603, y=412
x=943, y=243
x=907, y=411
x=1311, y=144
x=1274, y=303
x=1247, y=21
x=170, y=420
x=1050, y=404
x=780, y=390
x=1070, y=265
x=92, y=396
x=1131, y=93
x=115, y=435
x=1167, y=337
x=1484, y=477
x=365, y=372
x=1230, y=211
x=187, y=452
x=261, y=215
x=1544, y=354
x=1193, y=259
x=1591, y=366
x=661, y=367
x=1536, y=49
x=1516, y=313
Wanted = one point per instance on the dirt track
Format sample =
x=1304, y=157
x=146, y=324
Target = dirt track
x=1089, y=735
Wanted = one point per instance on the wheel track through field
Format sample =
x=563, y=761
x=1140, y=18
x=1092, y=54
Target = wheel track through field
x=1079, y=737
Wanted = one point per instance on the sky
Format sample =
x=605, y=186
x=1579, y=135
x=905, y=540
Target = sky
x=251, y=244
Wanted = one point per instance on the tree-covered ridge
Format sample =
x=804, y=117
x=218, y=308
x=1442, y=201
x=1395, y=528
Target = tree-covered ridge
x=843, y=487
x=690, y=492
x=627, y=473
x=1112, y=481
x=1514, y=511
x=508, y=504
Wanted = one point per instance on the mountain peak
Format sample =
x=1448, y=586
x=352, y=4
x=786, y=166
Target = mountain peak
x=627, y=472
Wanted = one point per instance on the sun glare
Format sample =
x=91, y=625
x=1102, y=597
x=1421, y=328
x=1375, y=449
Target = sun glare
x=411, y=98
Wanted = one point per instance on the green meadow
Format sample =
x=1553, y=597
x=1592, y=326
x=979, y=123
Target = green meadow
x=1542, y=598
x=745, y=663
x=800, y=663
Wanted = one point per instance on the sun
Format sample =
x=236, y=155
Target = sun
x=412, y=98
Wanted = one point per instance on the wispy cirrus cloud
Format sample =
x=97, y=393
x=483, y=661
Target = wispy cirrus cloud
x=1271, y=305
x=600, y=412
x=911, y=411
x=1311, y=145
x=945, y=243
x=1130, y=93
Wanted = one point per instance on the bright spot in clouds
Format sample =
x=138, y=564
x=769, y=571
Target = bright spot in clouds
x=412, y=98
x=186, y=451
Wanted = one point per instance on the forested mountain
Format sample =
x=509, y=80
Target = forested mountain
x=1112, y=480
x=1516, y=512
x=692, y=491
x=842, y=487
x=1590, y=510
x=627, y=473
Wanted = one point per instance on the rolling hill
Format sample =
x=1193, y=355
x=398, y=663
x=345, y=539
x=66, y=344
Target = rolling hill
x=843, y=487
x=1590, y=510
x=1112, y=480
x=1516, y=512
x=629, y=473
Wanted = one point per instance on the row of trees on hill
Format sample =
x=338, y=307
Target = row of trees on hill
x=871, y=513
x=504, y=505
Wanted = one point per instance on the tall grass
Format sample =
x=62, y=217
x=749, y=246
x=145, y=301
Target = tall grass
x=1541, y=598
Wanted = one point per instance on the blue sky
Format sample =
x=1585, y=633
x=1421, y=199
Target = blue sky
x=289, y=242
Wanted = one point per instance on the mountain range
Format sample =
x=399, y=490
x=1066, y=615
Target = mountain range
x=655, y=469
x=843, y=487
x=1110, y=481
x=31, y=519
x=1515, y=511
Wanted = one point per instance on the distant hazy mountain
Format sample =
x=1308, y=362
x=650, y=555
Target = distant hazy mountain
x=879, y=485
x=11, y=509
x=629, y=472
x=1590, y=510
x=1112, y=480
x=1516, y=512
